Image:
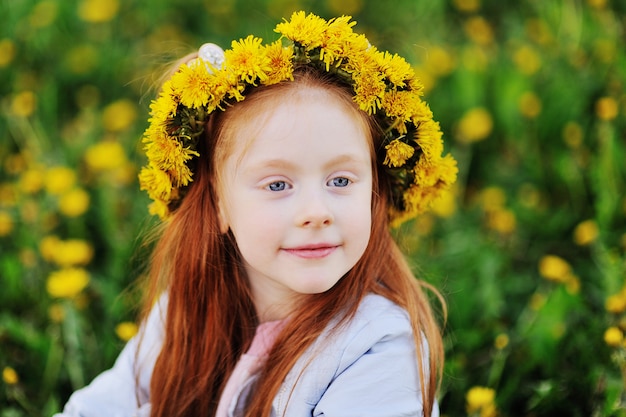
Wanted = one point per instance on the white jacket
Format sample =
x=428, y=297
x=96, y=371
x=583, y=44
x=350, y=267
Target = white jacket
x=368, y=368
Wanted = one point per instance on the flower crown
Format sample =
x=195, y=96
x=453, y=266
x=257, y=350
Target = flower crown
x=384, y=86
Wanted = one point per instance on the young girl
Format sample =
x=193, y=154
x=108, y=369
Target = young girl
x=276, y=288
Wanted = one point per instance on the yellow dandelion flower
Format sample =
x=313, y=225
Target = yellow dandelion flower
x=171, y=156
x=445, y=206
x=586, y=232
x=6, y=223
x=7, y=52
x=554, y=268
x=156, y=182
x=59, y=180
x=126, y=330
x=56, y=313
x=105, y=156
x=24, y=104
x=281, y=65
x=48, y=247
x=527, y=60
x=72, y=252
x=429, y=138
x=248, y=60
x=369, y=89
x=501, y=341
x=475, y=125
x=402, y=105
x=159, y=208
x=502, y=221
x=74, y=202
x=530, y=105
x=397, y=153
x=339, y=41
x=467, y=5
x=448, y=171
x=119, y=115
x=478, y=29
x=613, y=336
x=417, y=199
x=97, y=11
x=492, y=198
x=616, y=303
x=481, y=400
x=31, y=180
x=9, y=376
x=67, y=283
x=305, y=30
x=395, y=68
x=194, y=84
x=607, y=108
x=573, y=134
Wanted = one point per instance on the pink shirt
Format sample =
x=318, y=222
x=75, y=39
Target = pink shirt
x=248, y=365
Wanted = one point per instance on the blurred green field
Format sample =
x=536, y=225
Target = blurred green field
x=529, y=250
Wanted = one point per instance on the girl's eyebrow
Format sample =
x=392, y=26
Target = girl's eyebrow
x=280, y=163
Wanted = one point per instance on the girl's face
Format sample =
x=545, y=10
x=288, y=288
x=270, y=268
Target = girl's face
x=297, y=197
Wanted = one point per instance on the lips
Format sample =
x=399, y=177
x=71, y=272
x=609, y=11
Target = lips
x=312, y=251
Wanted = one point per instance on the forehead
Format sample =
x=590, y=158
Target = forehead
x=287, y=118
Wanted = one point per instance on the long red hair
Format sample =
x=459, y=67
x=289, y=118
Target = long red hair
x=211, y=317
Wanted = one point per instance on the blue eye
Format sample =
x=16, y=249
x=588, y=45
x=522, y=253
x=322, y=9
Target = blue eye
x=277, y=186
x=340, y=182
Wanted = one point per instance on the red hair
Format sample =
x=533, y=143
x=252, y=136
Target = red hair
x=211, y=317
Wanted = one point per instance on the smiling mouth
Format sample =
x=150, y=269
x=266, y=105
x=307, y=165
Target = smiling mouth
x=312, y=252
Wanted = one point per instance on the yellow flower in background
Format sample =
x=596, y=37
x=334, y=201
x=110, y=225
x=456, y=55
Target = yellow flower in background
x=501, y=341
x=119, y=115
x=9, y=376
x=48, y=247
x=573, y=135
x=492, y=198
x=467, y=5
x=126, y=330
x=345, y=7
x=481, y=400
x=105, y=156
x=530, y=105
x=598, y=4
x=31, y=180
x=97, y=11
x=616, y=303
x=440, y=61
x=445, y=206
x=24, y=104
x=56, y=313
x=59, y=180
x=527, y=60
x=613, y=336
x=502, y=221
x=538, y=30
x=82, y=59
x=607, y=108
x=7, y=52
x=555, y=268
x=43, y=14
x=586, y=232
x=67, y=283
x=478, y=29
x=74, y=203
x=72, y=252
x=475, y=125
x=6, y=223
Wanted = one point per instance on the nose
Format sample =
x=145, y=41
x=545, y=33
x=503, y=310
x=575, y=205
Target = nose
x=313, y=210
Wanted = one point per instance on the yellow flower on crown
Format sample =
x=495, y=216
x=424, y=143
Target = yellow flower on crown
x=384, y=85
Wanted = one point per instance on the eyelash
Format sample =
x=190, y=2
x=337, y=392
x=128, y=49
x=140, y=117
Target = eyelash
x=278, y=186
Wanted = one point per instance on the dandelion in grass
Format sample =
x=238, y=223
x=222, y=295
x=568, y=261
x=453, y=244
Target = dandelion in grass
x=613, y=336
x=480, y=402
x=67, y=282
x=126, y=330
x=9, y=376
x=74, y=203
